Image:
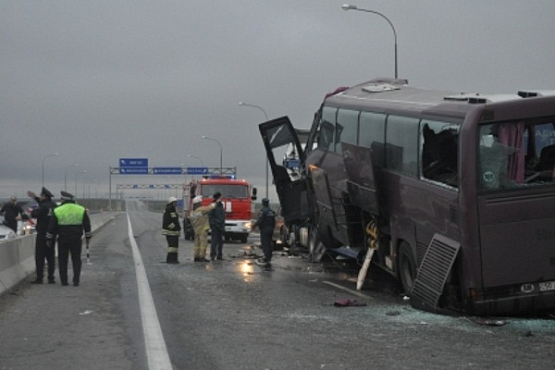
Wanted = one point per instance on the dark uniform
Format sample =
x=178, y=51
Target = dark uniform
x=68, y=223
x=43, y=213
x=216, y=218
x=266, y=222
x=11, y=211
x=171, y=229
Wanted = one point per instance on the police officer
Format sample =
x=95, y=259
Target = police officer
x=266, y=222
x=43, y=213
x=171, y=229
x=68, y=222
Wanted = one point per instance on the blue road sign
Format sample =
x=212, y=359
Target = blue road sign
x=133, y=162
x=167, y=171
x=197, y=170
x=133, y=171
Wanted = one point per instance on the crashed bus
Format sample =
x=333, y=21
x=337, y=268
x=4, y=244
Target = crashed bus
x=451, y=193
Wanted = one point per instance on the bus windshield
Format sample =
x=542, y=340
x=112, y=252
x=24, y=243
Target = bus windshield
x=517, y=154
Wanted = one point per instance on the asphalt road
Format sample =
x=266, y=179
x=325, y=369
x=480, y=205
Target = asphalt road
x=231, y=314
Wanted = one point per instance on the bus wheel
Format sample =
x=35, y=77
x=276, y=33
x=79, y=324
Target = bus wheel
x=407, y=267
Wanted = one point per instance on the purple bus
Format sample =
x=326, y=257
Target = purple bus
x=454, y=193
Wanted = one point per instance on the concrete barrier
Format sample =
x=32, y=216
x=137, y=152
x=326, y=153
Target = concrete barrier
x=17, y=256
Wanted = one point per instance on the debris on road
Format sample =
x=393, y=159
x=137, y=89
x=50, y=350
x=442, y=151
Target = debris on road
x=348, y=303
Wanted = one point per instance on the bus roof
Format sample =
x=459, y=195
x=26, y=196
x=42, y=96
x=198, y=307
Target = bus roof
x=394, y=95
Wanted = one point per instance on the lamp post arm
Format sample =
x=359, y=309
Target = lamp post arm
x=267, y=119
x=354, y=7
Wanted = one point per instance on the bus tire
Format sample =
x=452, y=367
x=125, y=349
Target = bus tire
x=407, y=267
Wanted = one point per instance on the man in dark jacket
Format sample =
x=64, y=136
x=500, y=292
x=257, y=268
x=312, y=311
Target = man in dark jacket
x=216, y=219
x=43, y=213
x=171, y=229
x=68, y=222
x=266, y=222
x=12, y=213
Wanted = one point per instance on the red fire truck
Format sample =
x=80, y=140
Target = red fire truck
x=237, y=197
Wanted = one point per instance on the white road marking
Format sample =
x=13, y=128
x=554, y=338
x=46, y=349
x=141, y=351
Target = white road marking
x=156, y=351
x=353, y=292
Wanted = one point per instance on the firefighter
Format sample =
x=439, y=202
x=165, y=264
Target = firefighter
x=199, y=221
x=266, y=222
x=68, y=222
x=171, y=229
x=43, y=213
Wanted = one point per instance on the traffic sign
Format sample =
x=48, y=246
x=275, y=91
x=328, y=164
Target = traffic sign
x=133, y=162
x=167, y=171
x=133, y=171
x=197, y=170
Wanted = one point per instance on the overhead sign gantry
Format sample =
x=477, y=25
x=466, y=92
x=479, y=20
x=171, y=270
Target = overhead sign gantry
x=140, y=166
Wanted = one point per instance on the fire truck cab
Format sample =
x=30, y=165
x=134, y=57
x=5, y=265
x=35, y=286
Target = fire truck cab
x=237, y=197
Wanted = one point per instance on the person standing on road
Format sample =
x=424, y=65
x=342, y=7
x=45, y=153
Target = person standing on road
x=199, y=221
x=216, y=218
x=171, y=229
x=68, y=222
x=12, y=213
x=43, y=213
x=266, y=222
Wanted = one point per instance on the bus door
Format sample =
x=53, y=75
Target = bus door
x=282, y=144
x=360, y=174
x=322, y=195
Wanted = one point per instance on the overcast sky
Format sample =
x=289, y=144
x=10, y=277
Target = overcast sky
x=95, y=80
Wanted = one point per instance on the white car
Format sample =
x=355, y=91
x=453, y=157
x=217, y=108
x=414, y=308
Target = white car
x=6, y=233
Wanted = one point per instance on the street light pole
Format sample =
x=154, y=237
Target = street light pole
x=221, y=151
x=77, y=174
x=65, y=175
x=354, y=7
x=48, y=156
x=243, y=104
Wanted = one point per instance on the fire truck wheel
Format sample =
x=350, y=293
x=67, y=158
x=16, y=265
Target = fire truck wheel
x=407, y=267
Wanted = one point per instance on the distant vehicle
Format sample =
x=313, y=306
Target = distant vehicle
x=26, y=226
x=237, y=197
x=455, y=192
x=6, y=233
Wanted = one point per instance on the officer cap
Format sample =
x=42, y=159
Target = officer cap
x=265, y=201
x=46, y=193
x=217, y=196
x=66, y=195
x=197, y=199
x=172, y=199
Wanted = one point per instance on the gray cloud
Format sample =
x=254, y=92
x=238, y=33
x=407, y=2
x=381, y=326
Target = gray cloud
x=100, y=80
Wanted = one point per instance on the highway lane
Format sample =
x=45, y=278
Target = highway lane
x=232, y=315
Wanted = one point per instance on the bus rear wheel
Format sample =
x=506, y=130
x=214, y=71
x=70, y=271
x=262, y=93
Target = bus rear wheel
x=407, y=267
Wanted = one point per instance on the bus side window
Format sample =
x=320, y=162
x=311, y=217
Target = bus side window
x=346, y=129
x=371, y=135
x=327, y=128
x=439, y=151
x=401, y=153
